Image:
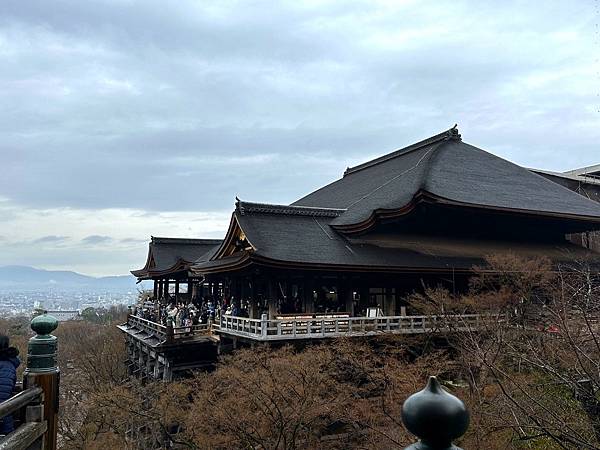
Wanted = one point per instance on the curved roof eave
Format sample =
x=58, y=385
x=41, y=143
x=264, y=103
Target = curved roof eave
x=252, y=258
x=424, y=196
x=179, y=266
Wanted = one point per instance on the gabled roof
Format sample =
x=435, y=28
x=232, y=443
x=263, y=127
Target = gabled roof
x=169, y=255
x=444, y=169
x=289, y=236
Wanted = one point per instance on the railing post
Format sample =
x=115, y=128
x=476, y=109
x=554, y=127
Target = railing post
x=42, y=370
x=435, y=417
x=169, y=332
x=263, y=326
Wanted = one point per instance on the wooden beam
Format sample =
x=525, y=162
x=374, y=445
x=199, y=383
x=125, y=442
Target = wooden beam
x=19, y=401
x=24, y=437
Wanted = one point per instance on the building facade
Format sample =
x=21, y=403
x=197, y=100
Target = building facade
x=343, y=259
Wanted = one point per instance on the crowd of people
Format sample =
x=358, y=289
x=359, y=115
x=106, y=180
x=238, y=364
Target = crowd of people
x=180, y=313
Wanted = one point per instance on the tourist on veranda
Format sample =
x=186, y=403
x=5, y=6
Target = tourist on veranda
x=9, y=362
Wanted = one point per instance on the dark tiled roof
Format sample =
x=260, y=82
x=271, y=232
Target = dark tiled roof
x=307, y=240
x=173, y=254
x=300, y=237
x=451, y=170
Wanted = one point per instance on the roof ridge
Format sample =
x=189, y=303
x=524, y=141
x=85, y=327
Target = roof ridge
x=426, y=157
x=170, y=240
x=268, y=208
x=435, y=152
x=450, y=134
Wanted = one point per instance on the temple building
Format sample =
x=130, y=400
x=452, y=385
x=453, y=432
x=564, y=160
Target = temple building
x=584, y=181
x=342, y=260
x=167, y=265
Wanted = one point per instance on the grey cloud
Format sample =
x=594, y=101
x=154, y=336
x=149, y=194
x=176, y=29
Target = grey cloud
x=129, y=104
x=133, y=241
x=51, y=239
x=96, y=239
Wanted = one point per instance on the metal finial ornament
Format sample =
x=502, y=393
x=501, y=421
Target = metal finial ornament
x=42, y=348
x=436, y=417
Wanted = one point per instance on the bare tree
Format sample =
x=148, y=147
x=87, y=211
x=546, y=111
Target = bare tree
x=533, y=363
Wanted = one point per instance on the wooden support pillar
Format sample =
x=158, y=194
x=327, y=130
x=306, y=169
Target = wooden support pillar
x=389, y=302
x=167, y=373
x=309, y=299
x=252, y=305
x=149, y=364
x=176, y=289
x=157, y=368
x=273, y=297
x=194, y=290
x=243, y=290
x=364, y=296
x=141, y=363
x=155, y=292
x=348, y=297
x=252, y=309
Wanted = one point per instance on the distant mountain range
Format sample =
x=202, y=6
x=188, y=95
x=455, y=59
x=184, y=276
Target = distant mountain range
x=29, y=278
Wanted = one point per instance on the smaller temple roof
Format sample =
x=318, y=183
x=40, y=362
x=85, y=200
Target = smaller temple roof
x=583, y=178
x=170, y=255
x=586, y=172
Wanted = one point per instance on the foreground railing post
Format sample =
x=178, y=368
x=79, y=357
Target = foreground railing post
x=435, y=417
x=42, y=370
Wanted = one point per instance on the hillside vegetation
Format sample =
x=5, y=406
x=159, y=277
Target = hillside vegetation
x=530, y=377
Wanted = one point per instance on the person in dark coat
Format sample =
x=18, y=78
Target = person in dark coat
x=9, y=362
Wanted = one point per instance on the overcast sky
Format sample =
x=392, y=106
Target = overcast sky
x=124, y=119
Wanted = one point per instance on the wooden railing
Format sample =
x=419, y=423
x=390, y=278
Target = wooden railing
x=310, y=326
x=167, y=332
x=320, y=327
x=147, y=325
x=30, y=434
x=241, y=326
x=37, y=404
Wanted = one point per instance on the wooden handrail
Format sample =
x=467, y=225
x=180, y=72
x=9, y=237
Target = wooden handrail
x=149, y=323
x=315, y=327
x=163, y=331
x=24, y=436
x=19, y=401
